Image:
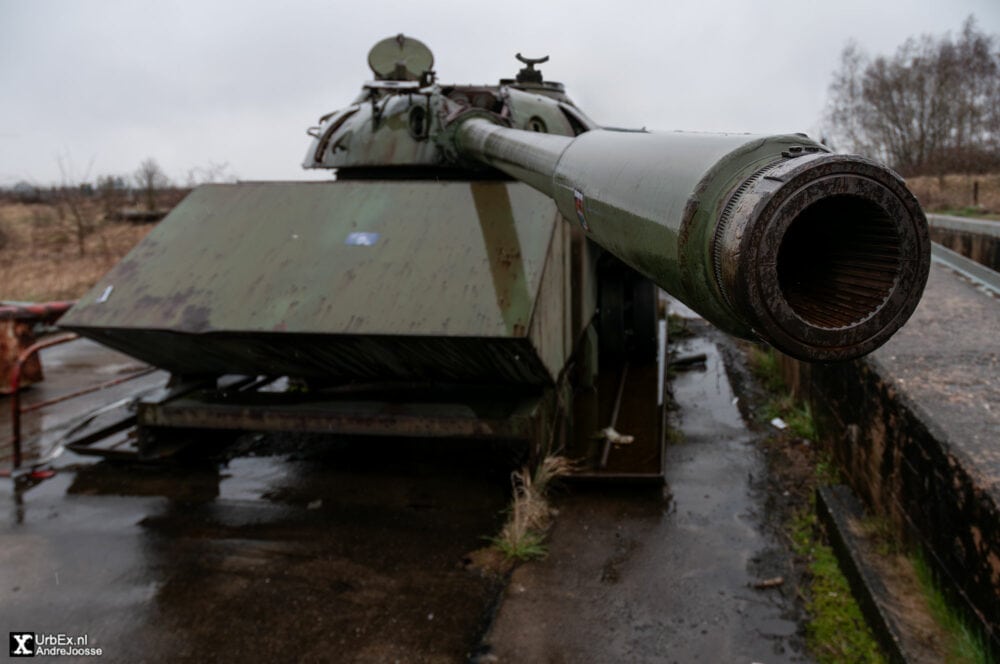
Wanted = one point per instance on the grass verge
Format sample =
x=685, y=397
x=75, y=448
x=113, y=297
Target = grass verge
x=971, y=212
x=836, y=630
x=964, y=645
x=782, y=404
x=979, y=193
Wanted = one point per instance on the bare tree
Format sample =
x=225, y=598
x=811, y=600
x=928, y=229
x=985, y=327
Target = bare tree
x=211, y=172
x=933, y=107
x=111, y=192
x=150, y=179
x=70, y=196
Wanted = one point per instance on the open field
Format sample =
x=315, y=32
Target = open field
x=953, y=194
x=40, y=249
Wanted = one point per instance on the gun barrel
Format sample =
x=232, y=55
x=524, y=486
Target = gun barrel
x=823, y=256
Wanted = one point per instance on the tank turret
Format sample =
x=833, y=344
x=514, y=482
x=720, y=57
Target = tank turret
x=485, y=264
x=823, y=256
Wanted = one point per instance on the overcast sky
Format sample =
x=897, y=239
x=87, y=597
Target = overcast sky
x=105, y=84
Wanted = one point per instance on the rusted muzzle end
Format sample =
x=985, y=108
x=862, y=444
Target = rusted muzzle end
x=825, y=255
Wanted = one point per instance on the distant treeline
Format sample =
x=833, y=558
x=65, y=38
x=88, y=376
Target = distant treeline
x=931, y=108
x=24, y=192
x=148, y=186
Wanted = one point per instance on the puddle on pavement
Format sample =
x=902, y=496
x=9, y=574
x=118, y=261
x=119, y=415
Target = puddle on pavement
x=721, y=541
x=668, y=579
x=708, y=410
x=315, y=555
x=311, y=553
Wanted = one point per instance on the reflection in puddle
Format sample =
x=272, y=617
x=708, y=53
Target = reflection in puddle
x=706, y=398
x=334, y=551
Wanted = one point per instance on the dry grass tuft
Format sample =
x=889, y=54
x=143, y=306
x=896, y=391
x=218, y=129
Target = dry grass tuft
x=551, y=468
x=523, y=535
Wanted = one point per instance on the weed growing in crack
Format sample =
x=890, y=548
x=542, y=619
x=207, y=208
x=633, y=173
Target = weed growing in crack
x=529, y=515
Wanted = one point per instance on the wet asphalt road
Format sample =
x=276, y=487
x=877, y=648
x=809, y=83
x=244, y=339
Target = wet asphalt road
x=663, y=578
x=298, y=550
x=297, y=557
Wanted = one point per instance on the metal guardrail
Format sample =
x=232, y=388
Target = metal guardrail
x=964, y=224
x=979, y=274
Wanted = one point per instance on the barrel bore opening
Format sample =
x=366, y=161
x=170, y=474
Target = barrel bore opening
x=839, y=260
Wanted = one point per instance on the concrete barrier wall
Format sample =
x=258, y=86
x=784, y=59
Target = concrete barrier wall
x=906, y=469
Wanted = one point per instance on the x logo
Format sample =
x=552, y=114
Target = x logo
x=22, y=644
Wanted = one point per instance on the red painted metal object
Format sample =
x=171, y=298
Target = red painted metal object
x=42, y=312
x=15, y=402
x=15, y=387
x=17, y=322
